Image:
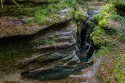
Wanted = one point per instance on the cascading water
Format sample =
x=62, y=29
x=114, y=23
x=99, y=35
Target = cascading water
x=86, y=50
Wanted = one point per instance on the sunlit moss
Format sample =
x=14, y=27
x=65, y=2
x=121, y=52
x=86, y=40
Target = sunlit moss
x=118, y=2
x=118, y=18
x=119, y=70
x=38, y=13
x=106, y=36
x=102, y=30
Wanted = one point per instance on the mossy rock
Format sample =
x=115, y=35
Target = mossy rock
x=12, y=26
x=118, y=2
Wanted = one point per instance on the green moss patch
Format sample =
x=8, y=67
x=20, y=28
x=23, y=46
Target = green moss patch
x=38, y=13
x=107, y=32
x=118, y=2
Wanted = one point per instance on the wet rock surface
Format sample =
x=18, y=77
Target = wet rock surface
x=56, y=47
x=59, y=72
x=60, y=53
x=54, y=73
x=39, y=59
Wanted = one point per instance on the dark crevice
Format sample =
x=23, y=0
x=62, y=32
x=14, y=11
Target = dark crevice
x=91, y=50
x=85, y=48
x=86, y=45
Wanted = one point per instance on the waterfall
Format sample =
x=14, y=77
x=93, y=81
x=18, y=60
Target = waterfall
x=86, y=48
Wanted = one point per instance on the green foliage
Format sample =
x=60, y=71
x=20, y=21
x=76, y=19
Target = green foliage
x=116, y=31
x=104, y=35
x=119, y=70
x=103, y=22
x=68, y=3
x=104, y=14
x=119, y=18
x=38, y=17
x=42, y=13
x=48, y=40
x=106, y=50
x=118, y=2
x=102, y=51
x=78, y=15
x=101, y=28
x=97, y=35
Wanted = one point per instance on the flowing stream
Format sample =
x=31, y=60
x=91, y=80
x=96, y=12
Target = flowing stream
x=84, y=50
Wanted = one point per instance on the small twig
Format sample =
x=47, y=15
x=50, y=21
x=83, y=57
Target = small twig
x=2, y=3
x=16, y=4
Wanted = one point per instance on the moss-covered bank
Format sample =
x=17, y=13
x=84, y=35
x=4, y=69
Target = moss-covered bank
x=108, y=34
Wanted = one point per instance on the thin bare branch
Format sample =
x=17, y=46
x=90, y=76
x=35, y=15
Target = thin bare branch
x=2, y=2
x=16, y=4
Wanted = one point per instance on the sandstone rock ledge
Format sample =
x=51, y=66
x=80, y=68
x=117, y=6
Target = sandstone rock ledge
x=12, y=26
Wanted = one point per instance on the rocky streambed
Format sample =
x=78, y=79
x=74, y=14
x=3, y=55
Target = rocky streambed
x=45, y=54
x=55, y=47
x=48, y=55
